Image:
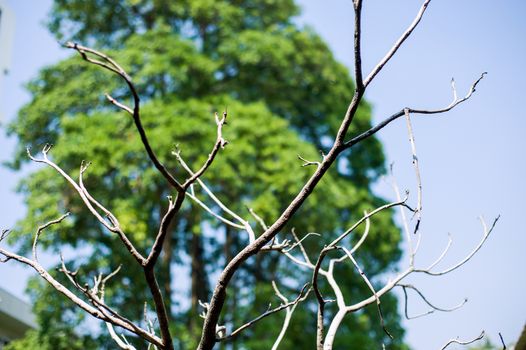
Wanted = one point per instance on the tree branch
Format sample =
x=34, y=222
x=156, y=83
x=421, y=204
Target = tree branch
x=460, y=342
x=433, y=307
x=270, y=311
x=397, y=45
x=383, y=124
x=112, y=66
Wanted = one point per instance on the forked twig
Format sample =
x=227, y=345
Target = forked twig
x=433, y=307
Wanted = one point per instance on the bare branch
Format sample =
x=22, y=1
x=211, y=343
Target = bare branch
x=95, y=295
x=456, y=341
x=99, y=287
x=123, y=345
x=365, y=232
x=332, y=281
x=468, y=257
x=4, y=234
x=389, y=120
x=113, y=220
x=405, y=223
x=288, y=313
x=258, y=218
x=148, y=263
x=307, y=162
x=319, y=298
x=219, y=144
x=444, y=252
x=207, y=190
x=418, y=211
x=299, y=243
x=244, y=224
x=95, y=312
x=365, y=218
x=42, y=228
x=371, y=288
x=269, y=312
x=357, y=4
x=302, y=248
x=210, y=211
x=88, y=201
x=397, y=45
x=118, y=104
x=173, y=208
x=433, y=307
x=112, y=66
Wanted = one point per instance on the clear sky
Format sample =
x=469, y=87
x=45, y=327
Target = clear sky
x=472, y=159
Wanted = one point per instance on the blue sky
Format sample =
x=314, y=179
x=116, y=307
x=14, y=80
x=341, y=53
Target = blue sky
x=472, y=159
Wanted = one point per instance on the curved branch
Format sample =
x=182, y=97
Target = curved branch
x=389, y=120
x=42, y=228
x=469, y=256
x=460, y=342
x=433, y=307
x=112, y=66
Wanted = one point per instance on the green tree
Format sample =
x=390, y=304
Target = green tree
x=285, y=94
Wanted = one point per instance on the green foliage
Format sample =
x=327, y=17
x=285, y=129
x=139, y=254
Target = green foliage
x=36, y=340
x=285, y=95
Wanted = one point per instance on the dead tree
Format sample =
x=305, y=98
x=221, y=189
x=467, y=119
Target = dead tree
x=90, y=297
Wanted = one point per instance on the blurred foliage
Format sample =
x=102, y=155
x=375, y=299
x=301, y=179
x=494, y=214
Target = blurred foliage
x=285, y=95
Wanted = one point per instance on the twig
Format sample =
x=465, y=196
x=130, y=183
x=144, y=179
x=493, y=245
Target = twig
x=95, y=312
x=173, y=208
x=42, y=228
x=269, y=312
x=365, y=232
x=397, y=45
x=418, y=211
x=214, y=214
x=502, y=342
x=117, y=339
x=4, y=234
x=405, y=223
x=89, y=203
x=433, y=307
x=219, y=144
x=258, y=218
x=113, y=220
x=307, y=162
x=288, y=313
x=460, y=342
x=468, y=257
x=444, y=252
x=371, y=288
x=365, y=218
x=300, y=244
x=389, y=120
x=244, y=224
x=112, y=66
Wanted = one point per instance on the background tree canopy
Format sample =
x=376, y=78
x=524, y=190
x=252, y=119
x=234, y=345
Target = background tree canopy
x=285, y=95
